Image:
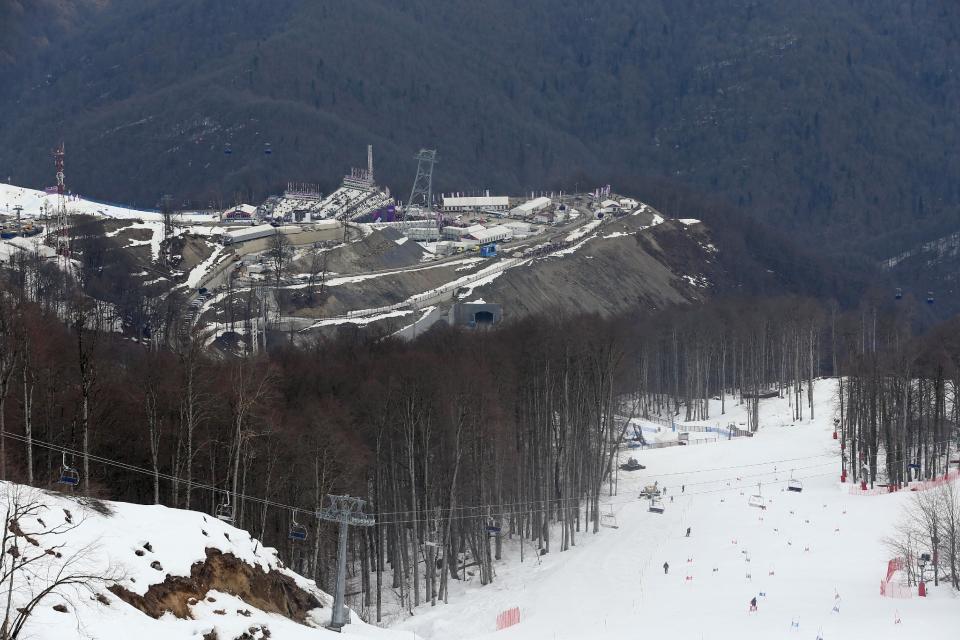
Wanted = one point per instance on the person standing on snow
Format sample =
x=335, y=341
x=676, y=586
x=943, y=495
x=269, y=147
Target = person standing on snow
x=753, y=603
x=666, y=568
x=688, y=532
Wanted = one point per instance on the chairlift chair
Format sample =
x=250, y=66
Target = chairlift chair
x=267, y=149
x=492, y=526
x=298, y=532
x=756, y=500
x=929, y=297
x=227, y=149
x=656, y=506
x=225, y=510
x=609, y=519
x=68, y=475
x=899, y=294
x=794, y=485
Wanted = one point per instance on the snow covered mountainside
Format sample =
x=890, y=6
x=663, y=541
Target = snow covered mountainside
x=813, y=559
x=35, y=203
x=369, y=275
x=116, y=571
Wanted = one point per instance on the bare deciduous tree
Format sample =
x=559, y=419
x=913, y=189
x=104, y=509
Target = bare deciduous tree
x=35, y=564
x=280, y=251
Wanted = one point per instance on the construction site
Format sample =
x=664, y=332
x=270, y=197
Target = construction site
x=301, y=262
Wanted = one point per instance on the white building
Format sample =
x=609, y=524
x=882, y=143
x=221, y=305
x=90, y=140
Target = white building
x=456, y=233
x=531, y=207
x=497, y=233
x=422, y=234
x=521, y=228
x=461, y=204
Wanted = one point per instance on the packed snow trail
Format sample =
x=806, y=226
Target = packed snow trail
x=796, y=556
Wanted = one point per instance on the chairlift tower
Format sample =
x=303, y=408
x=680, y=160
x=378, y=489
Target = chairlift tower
x=346, y=510
x=61, y=224
x=423, y=184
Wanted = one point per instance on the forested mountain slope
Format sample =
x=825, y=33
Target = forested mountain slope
x=835, y=120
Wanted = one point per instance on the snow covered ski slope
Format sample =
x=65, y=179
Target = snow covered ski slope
x=813, y=559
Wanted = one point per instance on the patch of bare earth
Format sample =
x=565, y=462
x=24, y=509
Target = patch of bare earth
x=271, y=591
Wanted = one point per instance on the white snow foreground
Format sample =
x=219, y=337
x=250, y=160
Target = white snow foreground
x=109, y=546
x=802, y=556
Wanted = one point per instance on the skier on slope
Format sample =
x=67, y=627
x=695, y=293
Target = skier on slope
x=666, y=568
x=688, y=532
x=753, y=603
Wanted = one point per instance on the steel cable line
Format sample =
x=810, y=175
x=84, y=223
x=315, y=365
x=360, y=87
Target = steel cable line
x=199, y=485
x=621, y=502
x=533, y=505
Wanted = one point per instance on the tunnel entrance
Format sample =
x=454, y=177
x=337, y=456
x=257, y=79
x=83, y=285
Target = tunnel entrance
x=483, y=317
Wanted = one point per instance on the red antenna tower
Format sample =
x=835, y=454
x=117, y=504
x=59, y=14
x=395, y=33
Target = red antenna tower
x=62, y=226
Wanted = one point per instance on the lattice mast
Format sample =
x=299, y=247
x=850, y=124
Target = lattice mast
x=422, y=191
x=62, y=222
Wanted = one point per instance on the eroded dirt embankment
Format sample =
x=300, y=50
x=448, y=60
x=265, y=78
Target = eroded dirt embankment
x=271, y=591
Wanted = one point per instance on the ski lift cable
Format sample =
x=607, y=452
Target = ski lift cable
x=832, y=456
x=527, y=504
x=542, y=509
x=552, y=506
x=562, y=501
x=273, y=503
x=523, y=506
x=537, y=505
x=149, y=472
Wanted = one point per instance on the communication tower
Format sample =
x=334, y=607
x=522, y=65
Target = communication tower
x=62, y=224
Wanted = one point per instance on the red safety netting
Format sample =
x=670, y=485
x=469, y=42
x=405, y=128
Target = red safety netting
x=890, y=589
x=508, y=618
x=916, y=485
